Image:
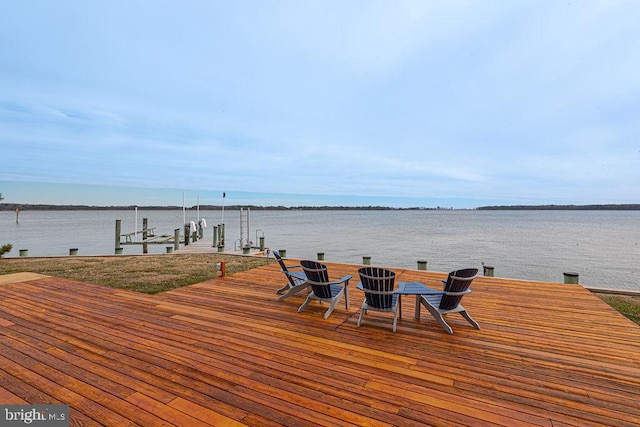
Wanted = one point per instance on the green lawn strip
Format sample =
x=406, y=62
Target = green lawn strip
x=149, y=274
x=628, y=306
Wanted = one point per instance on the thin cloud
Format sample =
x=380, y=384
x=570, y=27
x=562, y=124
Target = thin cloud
x=468, y=100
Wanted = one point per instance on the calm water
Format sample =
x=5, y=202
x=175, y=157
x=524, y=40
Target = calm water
x=603, y=247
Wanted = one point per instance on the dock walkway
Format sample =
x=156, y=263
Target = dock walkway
x=226, y=353
x=205, y=246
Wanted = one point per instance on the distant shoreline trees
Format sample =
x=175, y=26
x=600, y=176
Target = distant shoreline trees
x=43, y=207
x=610, y=207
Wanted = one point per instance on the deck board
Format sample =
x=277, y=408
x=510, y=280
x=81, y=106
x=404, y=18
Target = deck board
x=226, y=352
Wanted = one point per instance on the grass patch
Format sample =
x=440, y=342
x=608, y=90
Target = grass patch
x=149, y=274
x=628, y=306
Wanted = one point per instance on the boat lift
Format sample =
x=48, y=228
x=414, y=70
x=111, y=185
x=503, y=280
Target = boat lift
x=244, y=243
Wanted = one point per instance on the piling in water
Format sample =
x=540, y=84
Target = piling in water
x=145, y=235
x=488, y=271
x=320, y=256
x=422, y=265
x=118, y=230
x=571, y=278
x=366, y=260
x=176, y=239
x=187, y=233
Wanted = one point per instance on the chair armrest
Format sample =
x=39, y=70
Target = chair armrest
x=455, y=294
x=343, y=280
x=296, y=274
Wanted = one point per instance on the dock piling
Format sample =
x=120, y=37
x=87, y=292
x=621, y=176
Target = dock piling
x=118, y=231
x=366, y=260
x=176, y=239
x=187, y=232
x=145, y=235
x=422, y=265
x=571, y=278
x=488, y=271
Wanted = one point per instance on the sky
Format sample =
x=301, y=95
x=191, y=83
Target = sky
x=349, y=103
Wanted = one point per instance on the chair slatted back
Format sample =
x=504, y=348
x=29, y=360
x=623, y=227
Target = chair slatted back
x=317, y=277
x=379, y=286
x=283, y=266
x=457, y=283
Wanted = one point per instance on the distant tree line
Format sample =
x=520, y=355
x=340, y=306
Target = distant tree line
x=42, y=207
x=620, y=207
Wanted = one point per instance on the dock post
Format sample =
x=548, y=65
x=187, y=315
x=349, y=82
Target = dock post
x=366, y=260
x=283, y=253
x=73, y=251
x=176, y=239
x=145, y=225
x=169, y=249
x=422, y=265
x=118, y=231
x=262, y=244
x=215, y=236
x=119, y=251
x=571, y=278
x=320, y=256
x=24, y=252
x=488, y=271
x=187, y=232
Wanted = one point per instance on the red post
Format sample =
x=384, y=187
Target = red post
x=221, y=268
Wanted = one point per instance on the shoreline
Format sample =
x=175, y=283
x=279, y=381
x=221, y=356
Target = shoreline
x=589, y=207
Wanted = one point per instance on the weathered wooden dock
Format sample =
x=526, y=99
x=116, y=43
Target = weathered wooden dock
x=226, y=352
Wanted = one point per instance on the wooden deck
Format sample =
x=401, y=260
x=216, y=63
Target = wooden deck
x=226, y=352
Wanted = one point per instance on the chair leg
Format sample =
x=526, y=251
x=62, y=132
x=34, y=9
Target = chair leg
x=437, y=315
x=282, y=289
x=418, y=301
x=292, y=291
x=442, y=322
x=333, y=305
x=362, y=312
x=306, y=302
x=469, y=319
x=395, y=319
x=346, y=296
x=440, y=318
